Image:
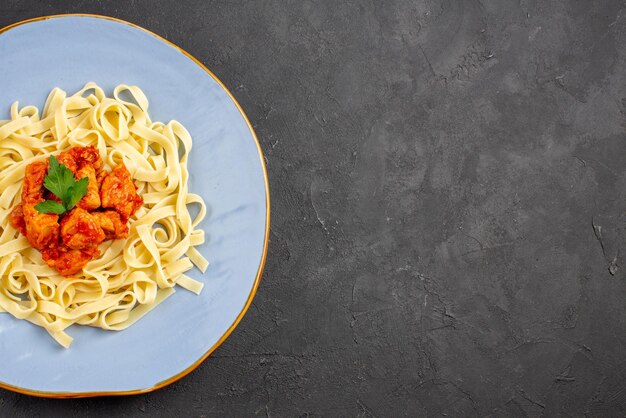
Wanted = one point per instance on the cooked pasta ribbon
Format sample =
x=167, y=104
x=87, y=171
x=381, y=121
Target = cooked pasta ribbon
x=132, y=275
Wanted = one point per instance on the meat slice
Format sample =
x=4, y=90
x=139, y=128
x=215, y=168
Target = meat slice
x=79, y=230
x=67, y=160
x=86, y=155
x=91, y=200
x=77, y=157
x=68, y=261
x=100, y=176
x=41, y=229
x=112, y=224
x=32, y=188
x=120, y=193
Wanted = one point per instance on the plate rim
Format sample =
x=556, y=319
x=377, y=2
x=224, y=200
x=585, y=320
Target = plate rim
x=257, y=280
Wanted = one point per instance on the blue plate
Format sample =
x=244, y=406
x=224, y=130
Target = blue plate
x=226, y=169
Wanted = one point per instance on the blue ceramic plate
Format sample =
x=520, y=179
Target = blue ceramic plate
x=226, y=169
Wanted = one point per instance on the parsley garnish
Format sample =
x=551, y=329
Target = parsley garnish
x=60, y=181
x=50, y=206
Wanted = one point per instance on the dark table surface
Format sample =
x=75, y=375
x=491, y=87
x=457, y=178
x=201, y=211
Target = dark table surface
x=437, y=169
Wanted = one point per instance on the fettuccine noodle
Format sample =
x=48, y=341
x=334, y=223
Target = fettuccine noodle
x=132, y=275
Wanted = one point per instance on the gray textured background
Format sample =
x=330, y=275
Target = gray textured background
x=436, y=168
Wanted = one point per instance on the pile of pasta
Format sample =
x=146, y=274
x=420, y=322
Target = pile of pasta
x=132, y=275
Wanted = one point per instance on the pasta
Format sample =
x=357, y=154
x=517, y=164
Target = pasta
x=132, y=275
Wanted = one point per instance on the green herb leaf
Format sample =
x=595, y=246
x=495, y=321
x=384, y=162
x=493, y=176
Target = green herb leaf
x=50, y=206
x=61, y=182
x=59, y=179
x=76, y=192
